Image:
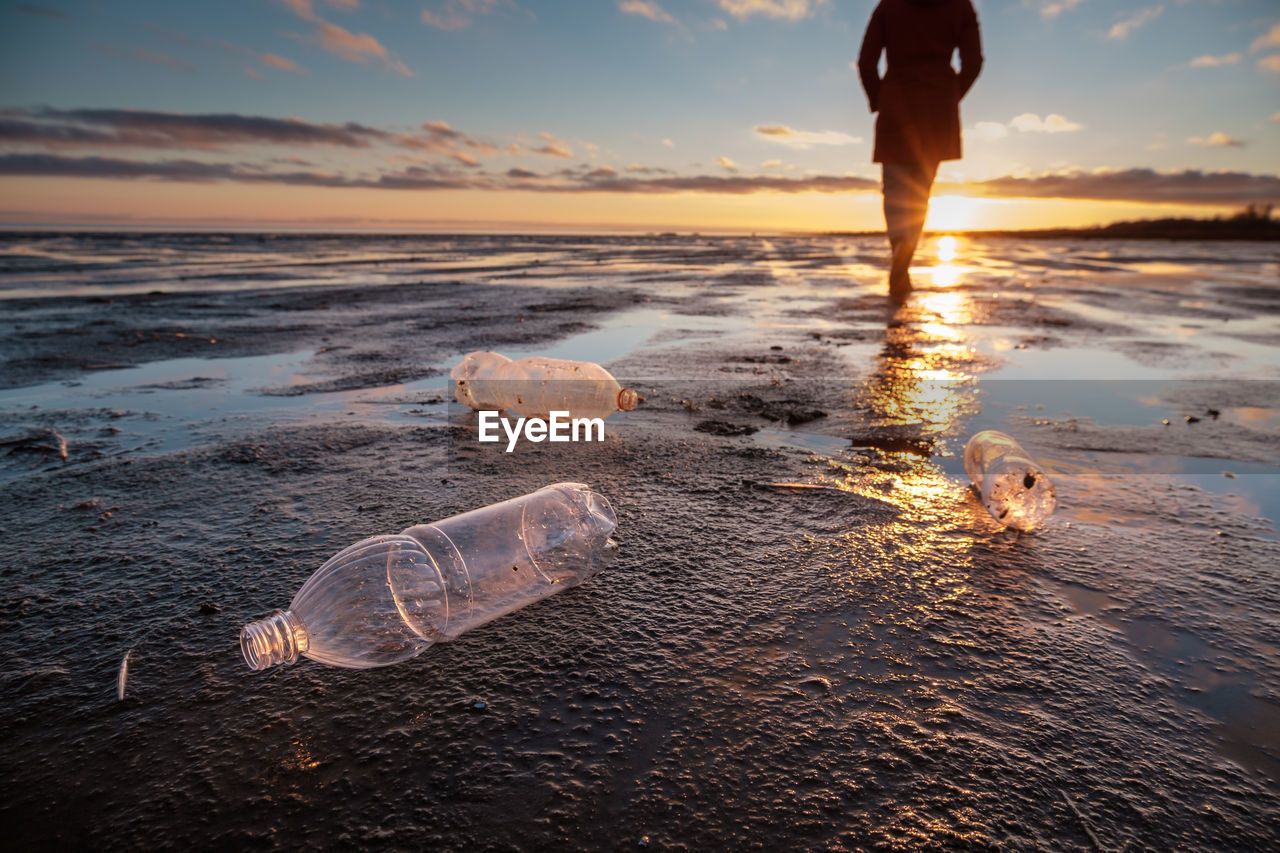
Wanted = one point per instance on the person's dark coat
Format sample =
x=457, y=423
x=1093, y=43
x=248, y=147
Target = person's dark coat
x=919, y=97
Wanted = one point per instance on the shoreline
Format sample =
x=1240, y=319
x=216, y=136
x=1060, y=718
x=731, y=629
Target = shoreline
x=1177, y=230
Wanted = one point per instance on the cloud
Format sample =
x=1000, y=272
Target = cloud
x=1270, y=63
x=1052, y=123
x=270, y=60
x=668, y=143
x=88, y=128
x=785, y=10
x=553, y=147
x=423, y=178
x=1133, y=185
x=104, y=167
x=304, y=9
x=439, y=138
x=140, y=55
x=637, y=169
x=552, y=151
x=1271, y=38
x=1208, y=61
x=357, y=47
x=1121, y=29
x=279, y=62
x=1217, y=139
x=1053, y=8
x=456, y=14
x=770, y=164
x=726, y=163
x=1025, y=123
x=803, y=138
x=56, y=130
x=726, y=185
x=42, y=12
x=646, y=9
x=353, y=47
x=990, y=130
x=1140, y=185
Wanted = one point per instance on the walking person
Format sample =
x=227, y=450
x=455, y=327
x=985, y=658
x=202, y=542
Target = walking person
x=918, y=102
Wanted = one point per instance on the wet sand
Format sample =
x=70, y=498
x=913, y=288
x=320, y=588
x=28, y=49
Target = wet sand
x=813, y=635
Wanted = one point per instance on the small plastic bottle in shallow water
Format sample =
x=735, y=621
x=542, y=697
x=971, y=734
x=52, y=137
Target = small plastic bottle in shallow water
x=535, y=387
x=1014, y=488
x=388, y=598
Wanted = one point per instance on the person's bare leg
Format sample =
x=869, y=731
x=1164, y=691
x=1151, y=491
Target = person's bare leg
x=906, y=206
x=904, y=186
x=922, y=188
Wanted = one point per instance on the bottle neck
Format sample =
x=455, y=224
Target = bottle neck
x=279, y=638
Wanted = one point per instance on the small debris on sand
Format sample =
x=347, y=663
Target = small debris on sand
x=801, y=486
x=122, y=677
x=1084, y=824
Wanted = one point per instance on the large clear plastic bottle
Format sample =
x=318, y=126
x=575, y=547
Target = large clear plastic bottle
x=1014, y=488
x=536, y=386
x=387, y=598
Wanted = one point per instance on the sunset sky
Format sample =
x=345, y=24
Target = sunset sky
x=519, y=115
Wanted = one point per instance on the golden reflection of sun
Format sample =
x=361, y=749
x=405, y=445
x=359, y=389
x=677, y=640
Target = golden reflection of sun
x=946, y=273
x=947, y=248
x=952, y=309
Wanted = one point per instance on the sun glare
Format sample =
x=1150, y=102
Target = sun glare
x=950, y=213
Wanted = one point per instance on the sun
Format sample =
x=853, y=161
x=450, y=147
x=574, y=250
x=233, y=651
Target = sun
x=950, y=213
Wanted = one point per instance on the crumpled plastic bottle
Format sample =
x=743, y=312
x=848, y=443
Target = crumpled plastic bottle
x=1014, y=488
x=388, y=598
x=536, y=386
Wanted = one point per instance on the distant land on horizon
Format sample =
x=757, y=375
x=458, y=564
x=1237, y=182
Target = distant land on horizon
x=1253, y=223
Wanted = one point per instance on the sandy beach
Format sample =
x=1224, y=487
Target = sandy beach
x=813, y=635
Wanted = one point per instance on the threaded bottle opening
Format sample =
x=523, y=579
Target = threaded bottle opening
x=627, y=400
x=279, y=638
